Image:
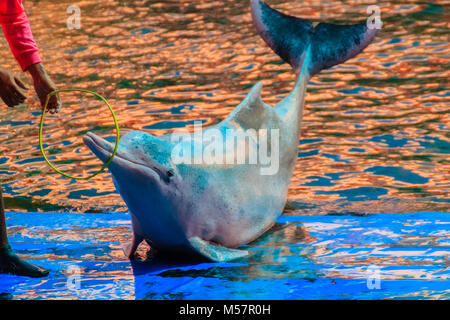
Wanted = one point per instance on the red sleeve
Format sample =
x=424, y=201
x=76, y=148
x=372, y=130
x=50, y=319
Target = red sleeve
x=17, y=31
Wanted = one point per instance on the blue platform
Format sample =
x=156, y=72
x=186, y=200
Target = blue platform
x=303, y=257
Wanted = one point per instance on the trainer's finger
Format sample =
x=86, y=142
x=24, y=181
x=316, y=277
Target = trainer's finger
x=53, y=105
x=17, y=96
x=20, y=99
x=57, y=103
x=20, y=83
x=10, y=101
x=19, y=93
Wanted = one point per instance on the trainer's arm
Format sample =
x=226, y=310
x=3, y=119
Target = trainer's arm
x=43, y=85
x=18, y=33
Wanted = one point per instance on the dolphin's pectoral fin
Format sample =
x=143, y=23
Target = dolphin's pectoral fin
x=130, y=248
x=215, y=252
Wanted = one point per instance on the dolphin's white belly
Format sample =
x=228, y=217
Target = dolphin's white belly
x=232, y=207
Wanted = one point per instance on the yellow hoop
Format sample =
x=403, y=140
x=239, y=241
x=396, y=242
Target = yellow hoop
x=106, y=164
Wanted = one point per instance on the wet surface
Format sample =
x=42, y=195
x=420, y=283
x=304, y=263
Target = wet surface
x=378, y=256
x=375, y=139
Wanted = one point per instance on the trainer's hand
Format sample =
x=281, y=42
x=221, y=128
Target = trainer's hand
x=12, y=90
x=43, y=86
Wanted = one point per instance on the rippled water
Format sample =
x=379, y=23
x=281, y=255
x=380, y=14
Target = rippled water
x=375, y=137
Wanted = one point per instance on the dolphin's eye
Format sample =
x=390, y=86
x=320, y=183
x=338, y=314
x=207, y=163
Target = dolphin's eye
x=170, y=173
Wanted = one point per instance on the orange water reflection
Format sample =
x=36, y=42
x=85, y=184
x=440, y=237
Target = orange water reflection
x=386, y=108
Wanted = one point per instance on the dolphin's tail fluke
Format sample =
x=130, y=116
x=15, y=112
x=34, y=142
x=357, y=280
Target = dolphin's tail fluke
x=291, y=38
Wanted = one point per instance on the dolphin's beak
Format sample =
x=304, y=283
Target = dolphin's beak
x=123, y=162
x=99, y=146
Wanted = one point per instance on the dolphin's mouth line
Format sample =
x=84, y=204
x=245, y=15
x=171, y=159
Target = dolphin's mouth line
x=92, y=138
